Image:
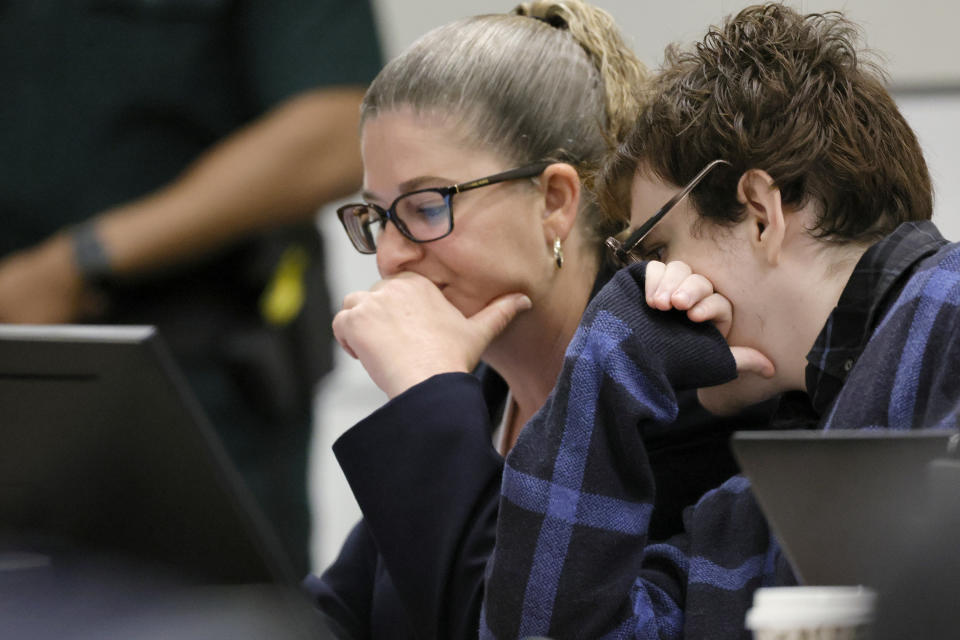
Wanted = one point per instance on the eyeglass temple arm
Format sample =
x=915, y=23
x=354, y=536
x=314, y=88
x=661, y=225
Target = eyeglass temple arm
x=637, y=236
x=522, y=172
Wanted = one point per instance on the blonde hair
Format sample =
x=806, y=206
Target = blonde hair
x=551, y=81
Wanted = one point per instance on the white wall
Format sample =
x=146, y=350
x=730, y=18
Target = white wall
x=918, y=37
x=345, y=397
x=936, y=119
x=919, y=56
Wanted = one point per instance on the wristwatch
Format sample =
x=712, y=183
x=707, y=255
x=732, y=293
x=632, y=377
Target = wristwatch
x=89, y=254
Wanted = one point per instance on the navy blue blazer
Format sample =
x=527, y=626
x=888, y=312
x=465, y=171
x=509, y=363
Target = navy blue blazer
x=427, y=478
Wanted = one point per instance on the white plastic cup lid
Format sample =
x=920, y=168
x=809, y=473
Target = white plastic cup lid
x=810, y=607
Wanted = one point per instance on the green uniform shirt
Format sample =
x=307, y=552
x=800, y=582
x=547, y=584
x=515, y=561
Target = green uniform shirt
x=103, y=101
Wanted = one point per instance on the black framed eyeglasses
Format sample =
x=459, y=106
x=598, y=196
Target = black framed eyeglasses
x=624, y=252
x=424, y=215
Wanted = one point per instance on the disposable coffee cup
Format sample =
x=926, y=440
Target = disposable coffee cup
x=812, y=613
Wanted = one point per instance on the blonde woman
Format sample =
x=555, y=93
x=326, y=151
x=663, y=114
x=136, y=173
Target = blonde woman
x=475, y=144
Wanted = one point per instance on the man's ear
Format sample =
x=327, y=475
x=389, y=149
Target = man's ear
x=560, y=186
x=764, y=213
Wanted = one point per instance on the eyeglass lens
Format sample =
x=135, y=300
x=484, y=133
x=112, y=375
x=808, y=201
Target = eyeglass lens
x=426, y=215
x=363, y=225
x=422, y=216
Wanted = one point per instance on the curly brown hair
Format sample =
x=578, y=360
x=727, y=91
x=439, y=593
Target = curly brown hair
x=790, y=94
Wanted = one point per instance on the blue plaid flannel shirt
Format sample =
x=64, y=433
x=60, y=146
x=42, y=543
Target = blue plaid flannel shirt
x=572, y=559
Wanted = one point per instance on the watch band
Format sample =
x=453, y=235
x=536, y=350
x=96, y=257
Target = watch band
x=89, y=253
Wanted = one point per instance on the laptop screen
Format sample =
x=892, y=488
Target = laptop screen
x=105, y=450
x=867, y=507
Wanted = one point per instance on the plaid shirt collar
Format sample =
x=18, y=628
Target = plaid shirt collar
x=874, y=285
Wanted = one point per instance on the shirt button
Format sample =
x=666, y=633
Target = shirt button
x=848, y=364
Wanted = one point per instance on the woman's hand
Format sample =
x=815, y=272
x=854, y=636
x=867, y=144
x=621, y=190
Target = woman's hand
x=675, y=286
x=403, y=330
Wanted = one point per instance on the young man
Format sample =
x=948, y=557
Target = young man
x=809, y=235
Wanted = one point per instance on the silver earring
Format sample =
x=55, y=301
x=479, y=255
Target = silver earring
x=558, y=253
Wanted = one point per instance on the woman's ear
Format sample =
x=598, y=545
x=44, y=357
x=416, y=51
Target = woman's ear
x=560, y=185
x=757, y=191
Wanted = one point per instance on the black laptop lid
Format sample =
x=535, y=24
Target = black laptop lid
x=105, y=450
x=877, y=508
x=841, y=503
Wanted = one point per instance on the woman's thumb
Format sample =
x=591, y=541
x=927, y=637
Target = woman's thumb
x=494, y=318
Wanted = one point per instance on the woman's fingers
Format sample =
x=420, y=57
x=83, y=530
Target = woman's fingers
x=403, y=330
x=339, y=331
x=490, y=321
x=352, y=299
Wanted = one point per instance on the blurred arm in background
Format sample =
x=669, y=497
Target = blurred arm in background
x=277, y=170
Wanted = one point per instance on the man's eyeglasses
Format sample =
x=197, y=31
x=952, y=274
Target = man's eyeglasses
x=624, y=252
x=424, y=215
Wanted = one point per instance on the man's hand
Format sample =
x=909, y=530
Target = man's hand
x=41, y=285
x=404, y=331
x=675, y=286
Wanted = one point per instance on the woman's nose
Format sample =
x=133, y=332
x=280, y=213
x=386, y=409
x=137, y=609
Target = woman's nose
x=395, y=252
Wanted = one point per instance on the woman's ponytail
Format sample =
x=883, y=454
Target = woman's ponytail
x=623, y=75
